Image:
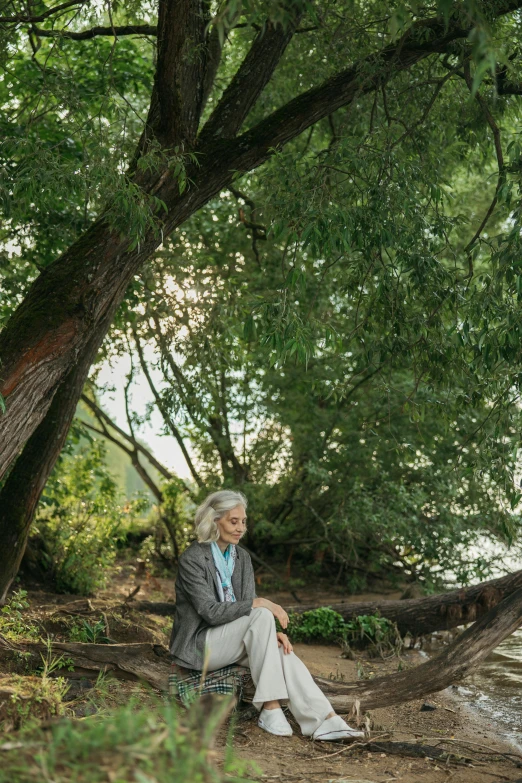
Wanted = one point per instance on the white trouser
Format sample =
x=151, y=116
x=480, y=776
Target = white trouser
x=251, y=641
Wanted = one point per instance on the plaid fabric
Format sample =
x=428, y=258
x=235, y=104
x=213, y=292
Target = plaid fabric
x=186, y=684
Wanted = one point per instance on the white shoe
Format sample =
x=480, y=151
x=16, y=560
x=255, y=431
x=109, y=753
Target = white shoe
x=335, y=728
x=274, y=721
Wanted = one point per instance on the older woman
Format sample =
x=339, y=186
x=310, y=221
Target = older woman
x=219, y=620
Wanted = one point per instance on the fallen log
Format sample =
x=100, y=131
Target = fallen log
x=454, y=663
x=440, y=612
x=140, y=661
x=416, y=616
x=151, y=662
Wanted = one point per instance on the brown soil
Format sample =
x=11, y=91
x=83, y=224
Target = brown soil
x=296, y=759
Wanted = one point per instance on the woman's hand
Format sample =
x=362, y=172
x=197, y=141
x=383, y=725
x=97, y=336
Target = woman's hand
x=278, y=611
x=284, y=642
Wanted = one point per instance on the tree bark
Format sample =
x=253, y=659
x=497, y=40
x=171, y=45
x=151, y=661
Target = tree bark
x=25, y=483
x=441, y=612
x=457, y=660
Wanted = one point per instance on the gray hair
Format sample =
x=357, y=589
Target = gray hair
x=214, y=508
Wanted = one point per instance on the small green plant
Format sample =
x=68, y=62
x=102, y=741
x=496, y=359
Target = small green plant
x=13, y=624
x=377, y=635
x=372, y=633
x=89, y=633
x=51, y=663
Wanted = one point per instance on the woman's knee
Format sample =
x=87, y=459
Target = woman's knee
x=263, y=616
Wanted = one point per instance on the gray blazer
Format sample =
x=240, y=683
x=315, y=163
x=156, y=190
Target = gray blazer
x=197, y=601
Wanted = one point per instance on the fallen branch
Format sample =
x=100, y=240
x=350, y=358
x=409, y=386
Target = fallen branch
x=147, y=662
x=454, y=663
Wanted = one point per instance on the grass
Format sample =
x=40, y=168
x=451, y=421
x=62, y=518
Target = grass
x=131, y=745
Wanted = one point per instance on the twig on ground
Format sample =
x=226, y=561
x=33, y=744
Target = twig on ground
x=132, y=594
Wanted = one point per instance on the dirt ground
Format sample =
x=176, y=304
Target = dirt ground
x=295, y=759
x=477, y=752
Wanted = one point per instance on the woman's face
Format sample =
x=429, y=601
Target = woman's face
x=232, y=526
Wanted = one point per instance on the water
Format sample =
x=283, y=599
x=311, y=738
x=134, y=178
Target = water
x=495, y=689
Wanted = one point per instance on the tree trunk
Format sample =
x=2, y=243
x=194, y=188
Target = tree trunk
x=457, y=660
x=65, y=305
x=25, y=483
x=441, y=612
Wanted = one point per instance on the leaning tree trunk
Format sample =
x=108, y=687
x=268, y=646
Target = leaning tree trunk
x=457, y=660
x=67, y=302
x=25, y=483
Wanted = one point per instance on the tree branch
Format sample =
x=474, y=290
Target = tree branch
x=25, y=18
x=250, y=80
x=165, y=414
x=422, y=39
x=182, y=56
x=104, y=419
x=134, y=458
x=500, y=162
x=84, y=35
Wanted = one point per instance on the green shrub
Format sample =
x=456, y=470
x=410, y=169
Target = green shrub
x=13, y=624
x=82, y=518
x=372, y=633
x=321, y=624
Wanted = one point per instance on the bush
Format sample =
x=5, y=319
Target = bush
x=372, y=633
x=321, y=624
x=13, y=624
x=82, y=518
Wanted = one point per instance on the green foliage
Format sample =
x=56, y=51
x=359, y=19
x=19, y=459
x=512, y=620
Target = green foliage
x=89, y=633
x=13, y=624
x=131, y=744
x=334, y=337
x=323, y=624
x=375, y=634
x=30, y=700
x=82, y=518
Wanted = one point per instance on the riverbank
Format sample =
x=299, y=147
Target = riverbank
x=446, y=740
x=463, y=720
x=449, y=724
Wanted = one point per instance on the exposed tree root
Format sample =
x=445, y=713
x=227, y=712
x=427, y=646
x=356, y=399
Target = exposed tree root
x=147, y=662
x=151, y=662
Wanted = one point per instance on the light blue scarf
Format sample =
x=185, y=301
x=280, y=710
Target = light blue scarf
x=225, y=563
